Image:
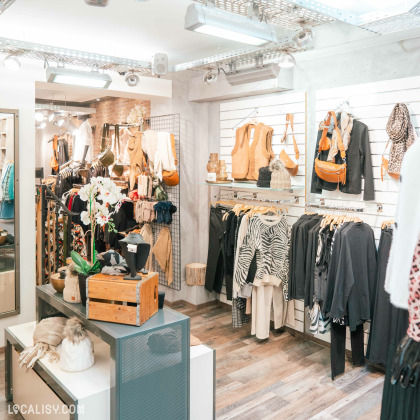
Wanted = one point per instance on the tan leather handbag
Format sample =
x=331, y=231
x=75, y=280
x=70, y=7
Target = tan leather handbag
x=171, y=178
x=384, y=165
x=285, y=159
x=328, y=171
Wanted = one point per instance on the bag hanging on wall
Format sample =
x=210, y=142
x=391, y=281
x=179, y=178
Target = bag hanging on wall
x=106, y=157
x=54, y=160
x=171, y=178
x=385, y=164
x=118, y=167
x=328, y=171
x=285, y=159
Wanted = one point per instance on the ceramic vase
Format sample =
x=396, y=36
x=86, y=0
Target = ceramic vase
x=221, y=172
x=212, y=164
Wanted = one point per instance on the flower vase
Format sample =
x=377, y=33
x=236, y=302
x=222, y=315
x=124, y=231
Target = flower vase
x=212, y=167
x=221, y=173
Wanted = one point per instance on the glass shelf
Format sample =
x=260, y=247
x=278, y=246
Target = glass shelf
x=250, y=186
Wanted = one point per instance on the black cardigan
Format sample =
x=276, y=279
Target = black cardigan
x=359, y=164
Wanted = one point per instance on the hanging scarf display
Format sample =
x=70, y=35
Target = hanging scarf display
x=346, y=126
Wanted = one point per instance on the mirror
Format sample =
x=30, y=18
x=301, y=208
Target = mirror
x=9, y=211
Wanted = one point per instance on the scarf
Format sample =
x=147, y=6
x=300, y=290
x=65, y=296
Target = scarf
x=147, y=233
x=346, y=126
x=163, y=253
x=402, y=135
x=48, y=334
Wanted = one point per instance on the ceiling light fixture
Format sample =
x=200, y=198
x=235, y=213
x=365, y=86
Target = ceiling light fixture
x=132, y=79
x=77, y=77
x=11, y=62
x=39, y=116
x=304, y=37
x=42, y=125
x=51, y=117
x=61, y=121
x=220, y=23
x=255, y=74
x=211, y=76
x=286, y=60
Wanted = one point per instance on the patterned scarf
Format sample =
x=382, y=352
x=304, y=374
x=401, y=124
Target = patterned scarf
x=346, y=126
x=401, y=133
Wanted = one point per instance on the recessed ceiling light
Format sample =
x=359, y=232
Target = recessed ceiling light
x=11, y=62
x=287, y=61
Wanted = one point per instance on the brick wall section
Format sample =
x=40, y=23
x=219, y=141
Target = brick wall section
x=113, y=111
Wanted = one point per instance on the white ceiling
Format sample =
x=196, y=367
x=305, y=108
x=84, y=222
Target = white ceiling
x=125, y=28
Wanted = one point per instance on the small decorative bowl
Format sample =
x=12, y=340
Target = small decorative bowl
x=57, y=282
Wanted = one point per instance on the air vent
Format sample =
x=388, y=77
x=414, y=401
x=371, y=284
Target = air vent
x=99, y=3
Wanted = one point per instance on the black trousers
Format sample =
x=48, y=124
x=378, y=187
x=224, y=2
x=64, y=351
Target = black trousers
x=338, y=348
x=214, y=272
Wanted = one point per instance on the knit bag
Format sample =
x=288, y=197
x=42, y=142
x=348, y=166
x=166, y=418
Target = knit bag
x=264, y=177
x=280, y=177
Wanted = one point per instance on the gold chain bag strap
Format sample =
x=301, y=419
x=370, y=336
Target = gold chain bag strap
x=285, y=159
x=106, y=157
x=328, y=171
x=385, y=164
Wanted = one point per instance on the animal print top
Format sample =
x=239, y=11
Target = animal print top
x=414, y=297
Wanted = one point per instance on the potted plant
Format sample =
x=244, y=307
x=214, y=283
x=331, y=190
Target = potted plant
x=103, y=198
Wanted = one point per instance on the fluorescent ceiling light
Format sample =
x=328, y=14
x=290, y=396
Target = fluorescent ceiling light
x=78, y=77
x=227, y=25
x=270, y=71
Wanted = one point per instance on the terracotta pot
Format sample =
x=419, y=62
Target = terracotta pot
x=221, y=171
x=212, y=164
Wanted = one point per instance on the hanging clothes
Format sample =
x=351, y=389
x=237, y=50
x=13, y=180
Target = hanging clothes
x=163, y=253
x=83, y=138
x=247, y=159
x=147, y=233
x=359, y=163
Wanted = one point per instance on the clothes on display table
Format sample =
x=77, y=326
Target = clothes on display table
x=359, y=163
x=407, y=228
x=380, y=327
x=248, y=158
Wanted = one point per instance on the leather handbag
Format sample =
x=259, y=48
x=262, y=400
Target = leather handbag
x=285, y=159
x=106, y=157
x=171, y=178
x=328, y=171
x=384, y=166
x=54, y=160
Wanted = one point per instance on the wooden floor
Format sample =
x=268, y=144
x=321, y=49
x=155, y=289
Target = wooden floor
x=284, y=377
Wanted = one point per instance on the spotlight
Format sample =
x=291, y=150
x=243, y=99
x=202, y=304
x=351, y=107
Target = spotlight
x=210, y=77
x=51, y=117
x=287, y=61
x=39, y=116
x=304, y=37
x=11, y=62
x=42, y=125
x=61, y=121
x=132, y=79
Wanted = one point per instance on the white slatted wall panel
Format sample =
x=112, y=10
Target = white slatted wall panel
x=272, y=110
x=372, y=104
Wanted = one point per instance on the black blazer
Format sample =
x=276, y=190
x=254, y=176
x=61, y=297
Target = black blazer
x=359, y=164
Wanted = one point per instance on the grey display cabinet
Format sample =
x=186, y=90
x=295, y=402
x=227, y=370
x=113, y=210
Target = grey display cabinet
x=145, y=384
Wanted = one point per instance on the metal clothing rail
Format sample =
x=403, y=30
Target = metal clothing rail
x=251, y=114
x=322, y=205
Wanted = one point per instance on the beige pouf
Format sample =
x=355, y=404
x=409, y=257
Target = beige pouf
x=196, y=274
x=280, y=178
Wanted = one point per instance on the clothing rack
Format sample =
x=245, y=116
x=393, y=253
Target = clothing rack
x=251, y=114
x=254, y=197
x=322, y=205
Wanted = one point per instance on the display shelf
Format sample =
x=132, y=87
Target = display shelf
x=250, y=186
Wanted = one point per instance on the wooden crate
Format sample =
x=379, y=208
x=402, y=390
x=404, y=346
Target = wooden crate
x=113, y=299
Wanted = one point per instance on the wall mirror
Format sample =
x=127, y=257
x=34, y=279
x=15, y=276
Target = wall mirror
x=9, y=213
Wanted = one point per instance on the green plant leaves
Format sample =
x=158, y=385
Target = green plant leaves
x=83, y=267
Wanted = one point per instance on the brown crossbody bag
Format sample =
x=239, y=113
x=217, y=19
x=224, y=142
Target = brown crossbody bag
x=285, y=159
x=328, y=171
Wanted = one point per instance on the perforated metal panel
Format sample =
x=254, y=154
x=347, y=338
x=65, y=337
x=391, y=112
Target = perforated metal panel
x=161, y=374
x=170, y=124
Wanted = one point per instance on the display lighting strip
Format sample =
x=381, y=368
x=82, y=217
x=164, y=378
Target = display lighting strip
x=4, y=4
x=71, y=57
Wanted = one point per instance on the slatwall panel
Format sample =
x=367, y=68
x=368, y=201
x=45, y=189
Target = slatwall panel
x=371, y=104
x=272, y=110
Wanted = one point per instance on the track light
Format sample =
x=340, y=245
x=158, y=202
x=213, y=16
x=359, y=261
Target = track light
x=51, y=117
x=61, y=121
x=42, y=125
x=77, y=77
x=210, y=77
x=39, y=116
x=227, y=25
x=287, y=61
x=304, y=37
x=132, y=79
x=11, y=62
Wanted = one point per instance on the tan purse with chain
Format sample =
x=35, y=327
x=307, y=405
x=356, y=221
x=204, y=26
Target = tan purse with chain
x=384, y=165
x=285, y=159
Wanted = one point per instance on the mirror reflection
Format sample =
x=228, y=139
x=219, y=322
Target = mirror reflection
x=7, y=214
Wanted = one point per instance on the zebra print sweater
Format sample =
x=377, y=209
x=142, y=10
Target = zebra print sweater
x=267, y=238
